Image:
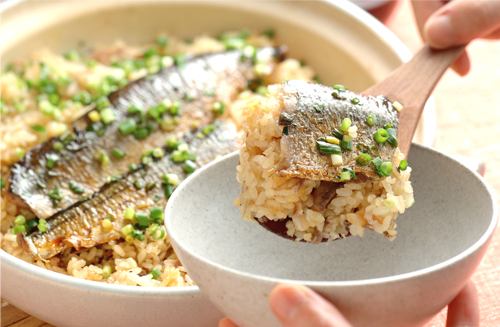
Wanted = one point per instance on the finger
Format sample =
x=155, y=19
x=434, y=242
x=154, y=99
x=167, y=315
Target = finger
x=461, y=21
x=226, y=322
x=422, y=10
x=463, y=311
x=461, y=65
x=298, y=306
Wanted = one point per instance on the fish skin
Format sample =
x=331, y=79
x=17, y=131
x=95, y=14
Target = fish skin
x=225, y=72
x=299, y=155
x=79, y=225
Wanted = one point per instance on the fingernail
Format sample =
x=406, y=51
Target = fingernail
x=439, y=31
x=287, y=301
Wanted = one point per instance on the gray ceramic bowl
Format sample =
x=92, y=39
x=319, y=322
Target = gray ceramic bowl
x=374, y=282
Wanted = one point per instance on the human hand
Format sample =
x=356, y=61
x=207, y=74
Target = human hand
x=299, y=306
x=444, y=24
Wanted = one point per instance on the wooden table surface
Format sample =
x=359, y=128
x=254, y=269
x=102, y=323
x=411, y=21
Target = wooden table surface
x=468, y=123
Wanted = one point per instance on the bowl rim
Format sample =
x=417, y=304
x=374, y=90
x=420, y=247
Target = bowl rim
x=385, y=36
x=483, y=240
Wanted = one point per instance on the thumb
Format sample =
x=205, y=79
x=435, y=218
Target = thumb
x=461, y=21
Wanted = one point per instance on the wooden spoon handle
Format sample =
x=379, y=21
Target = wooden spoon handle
x=411, y=85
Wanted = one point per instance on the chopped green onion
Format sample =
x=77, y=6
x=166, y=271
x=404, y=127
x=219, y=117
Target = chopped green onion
x=355, y=100
x=102, y=157
x=371, y=119
x=386, y=168
x=218, y=107
x=155, y=273
x=55, y=194
x=141, y=133
x=138, y=235
x=102, y=102
x=158, y=153
x=336, y=159
x=332, y=140
x=127, y=230
x=189, y=166
x=162, y=41
x=269, y=32
x=319, y=107
x=134, y=109
x=391, y=137
x=180, y=60
x=169, y=189
x=129, y=213
x=363, y=159
x=380, y=135
x=388, y=125
x=374, y=150
x=20, y=152
x=208, y=129
x=51, y=160
x=155, y=236
x=171, y=179
x=340, y=88
x=42, y=225
x=142, y=219
x=362, y=147
x=94, y=116
x=177, y=156
x=106, y=271
x=76, y=187
x=83, y=97
x=389, y=202
x=350, y=171
x=156, y=213
x=346, y=145
x=107, y=116
x=209, y=92
x=149, y=53
x=377, y=162
x=175, y=107
x=146, y=159
x=18, y=229
x=172, y=143
x=132, y=167
x=403, y=165
x=150, y=186
x=106, y=225
x=118, y=153
x=327, y=148
x=285, y=131
x=346, y=123
x=345, y=176
x=139, y=183
x=31, y=223
x=128, y=126
x=234, y=43
x=42, y=185
x=72, y=55
x=338, y=134
x=2, y=183
x=20, y=220
x=38, y=128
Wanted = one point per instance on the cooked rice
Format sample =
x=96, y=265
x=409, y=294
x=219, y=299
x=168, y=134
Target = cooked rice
x=357, y=206
x=130, y=262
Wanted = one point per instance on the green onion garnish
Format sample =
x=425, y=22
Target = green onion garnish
x=319, y=107
x=391, y=137
x=102, y=102
x=142, y=219
x=58, y=146
x=346, y=123
x=139, y=183
x=388, y=125
x=51, y=160
x=363, y=159
x=338, y=134
x=76, y=187
x=169, y=189
x=218, y=107
x=20, y=220
x=38, y=128
x=134, y=109
x=127, y=230
x=355, y=100
x=327, y=148
x=403, y=165
x=31, y=223
x=381, y=135
x=20, y=152
x=132, y=167
x=350, y=171
x=150, y=186
x=162, y=41
x=42, y=225
x=138, y=234
x=172, y=143
x=155, y=273
x=269, y=32
x=345, y=176
x=377, y=162
x=155, y=236
x=158, y=153
x=128, y=126
x=371, y=119
x=106, y=271
x=18, y=229
x=129, y=213
x=107, y=116
x=156, y=213
x=285, y=131
x=386, y=168
x=171, y=179
x=340, y=88
x=209, y=92
x=180, y=60
x=141, y=133
x=189, y=166
x=118, y=153
x=2, y=183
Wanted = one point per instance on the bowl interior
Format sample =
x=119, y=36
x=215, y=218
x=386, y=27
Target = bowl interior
x=453, y=210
